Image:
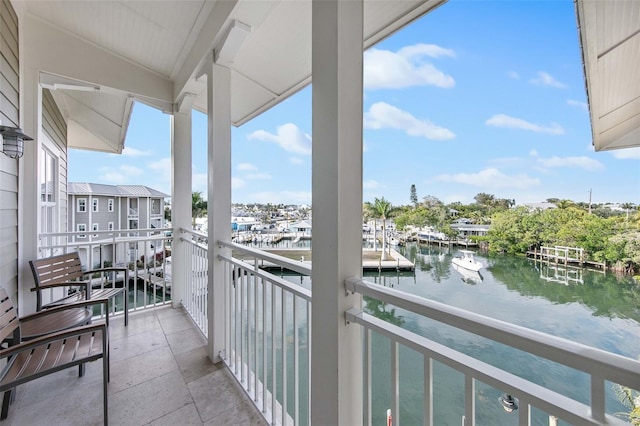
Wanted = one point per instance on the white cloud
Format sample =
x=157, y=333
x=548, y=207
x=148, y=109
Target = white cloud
x=371, y=184
x=163, y=164
x=246, y=167
x=490, y=178
x=384, y=69
x=579, y=104
x=627, y=154
x=285, y=197
x=258, y=176
x=580, y=162
x=120, y=175
x=382, y=115
x=295, y=160
x=237, y=183
x=131, y=170
x=128, y=151
x=289, y=137
x=114, y=177
x=514, y=75
x=545, y=79
x=533, y=153
x=505, y=121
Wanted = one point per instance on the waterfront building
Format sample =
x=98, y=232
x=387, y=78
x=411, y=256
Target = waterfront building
x=100, y=207
x=71, y=72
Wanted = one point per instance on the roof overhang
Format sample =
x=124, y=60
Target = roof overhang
x=610, y=42
x=99, y=57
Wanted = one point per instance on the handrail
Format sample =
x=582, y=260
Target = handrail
x=608, y=366
x=194, y=233
x=293, y=265
x=528, y=392
x=291, y=288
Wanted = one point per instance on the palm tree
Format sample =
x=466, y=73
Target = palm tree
x=198, y=206
x=380, y=209
x=627, y=207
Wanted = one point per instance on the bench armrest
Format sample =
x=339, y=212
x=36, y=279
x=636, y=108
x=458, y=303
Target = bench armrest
x=34, y=343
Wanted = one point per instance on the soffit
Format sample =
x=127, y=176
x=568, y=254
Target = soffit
x=610, y=39
x=172, y=38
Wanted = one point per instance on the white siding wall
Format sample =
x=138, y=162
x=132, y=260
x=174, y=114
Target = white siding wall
x=9, y=116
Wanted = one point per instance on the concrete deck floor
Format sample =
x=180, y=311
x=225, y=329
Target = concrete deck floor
x=160, y=375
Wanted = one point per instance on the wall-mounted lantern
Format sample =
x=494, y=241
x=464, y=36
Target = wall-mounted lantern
x=13, y=141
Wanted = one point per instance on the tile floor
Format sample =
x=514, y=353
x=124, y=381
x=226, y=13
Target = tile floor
x=160, y=375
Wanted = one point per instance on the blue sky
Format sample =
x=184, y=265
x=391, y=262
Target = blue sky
x=477, y=96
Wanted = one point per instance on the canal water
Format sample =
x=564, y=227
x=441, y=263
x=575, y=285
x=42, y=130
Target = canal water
x=590, y=307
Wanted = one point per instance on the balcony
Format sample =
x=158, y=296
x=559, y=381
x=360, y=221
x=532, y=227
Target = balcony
x=265, y=313
x=160, y=374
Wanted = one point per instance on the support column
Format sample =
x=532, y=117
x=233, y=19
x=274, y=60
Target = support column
x=181, y=147
x=336, y=349
x=219, y=198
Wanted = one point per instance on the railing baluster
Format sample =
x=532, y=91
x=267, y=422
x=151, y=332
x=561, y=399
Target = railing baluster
x=428, y=390
x=264, y=346
x=469, y=400
x=366, y=377
x=284, y=355
x=242, y=326
x=524, y=413
x=273, y=354
x=256, y=280
x=597, y=398
x=296, y=364
x=395, y=385
x=309, y=342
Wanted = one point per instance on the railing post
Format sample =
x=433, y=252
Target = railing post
x=336, y=349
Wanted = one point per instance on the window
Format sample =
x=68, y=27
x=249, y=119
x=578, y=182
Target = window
x=49, y=197
x=95, y=227
x=155, y=206
x=94, y=204
x=110, y=226
x=110, y=204
x=81, y=227
x=82, y=205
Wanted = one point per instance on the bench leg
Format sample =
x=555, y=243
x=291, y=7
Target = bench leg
x=6, y=400
x=81, y=370
x=126, y=305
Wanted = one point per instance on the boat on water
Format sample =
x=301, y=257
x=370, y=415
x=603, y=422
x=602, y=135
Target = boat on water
x=468, y=276
x=467, y=261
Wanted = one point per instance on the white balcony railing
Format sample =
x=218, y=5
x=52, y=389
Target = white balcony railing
x=601, y=366
x=267, y=330
x=147, y=256
x=195, y=277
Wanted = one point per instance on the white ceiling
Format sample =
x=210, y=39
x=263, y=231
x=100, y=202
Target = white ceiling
x=170, y=39
x=610, y=37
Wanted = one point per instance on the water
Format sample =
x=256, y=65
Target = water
x=592, y=308
x=589, y=307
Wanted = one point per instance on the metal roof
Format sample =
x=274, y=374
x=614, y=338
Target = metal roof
x=78, y=188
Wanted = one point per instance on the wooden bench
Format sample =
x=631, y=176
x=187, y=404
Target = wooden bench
x=66, y=271
x=48, y=353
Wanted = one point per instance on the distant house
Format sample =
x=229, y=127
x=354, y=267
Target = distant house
x=540, y=206
x=303, y=227
x=99, y=207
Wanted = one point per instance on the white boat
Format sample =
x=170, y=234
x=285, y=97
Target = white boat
x=468, y=276
x=467, y=261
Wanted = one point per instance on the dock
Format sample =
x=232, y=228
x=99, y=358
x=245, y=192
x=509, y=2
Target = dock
x=371, y=260
x=564, y=255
